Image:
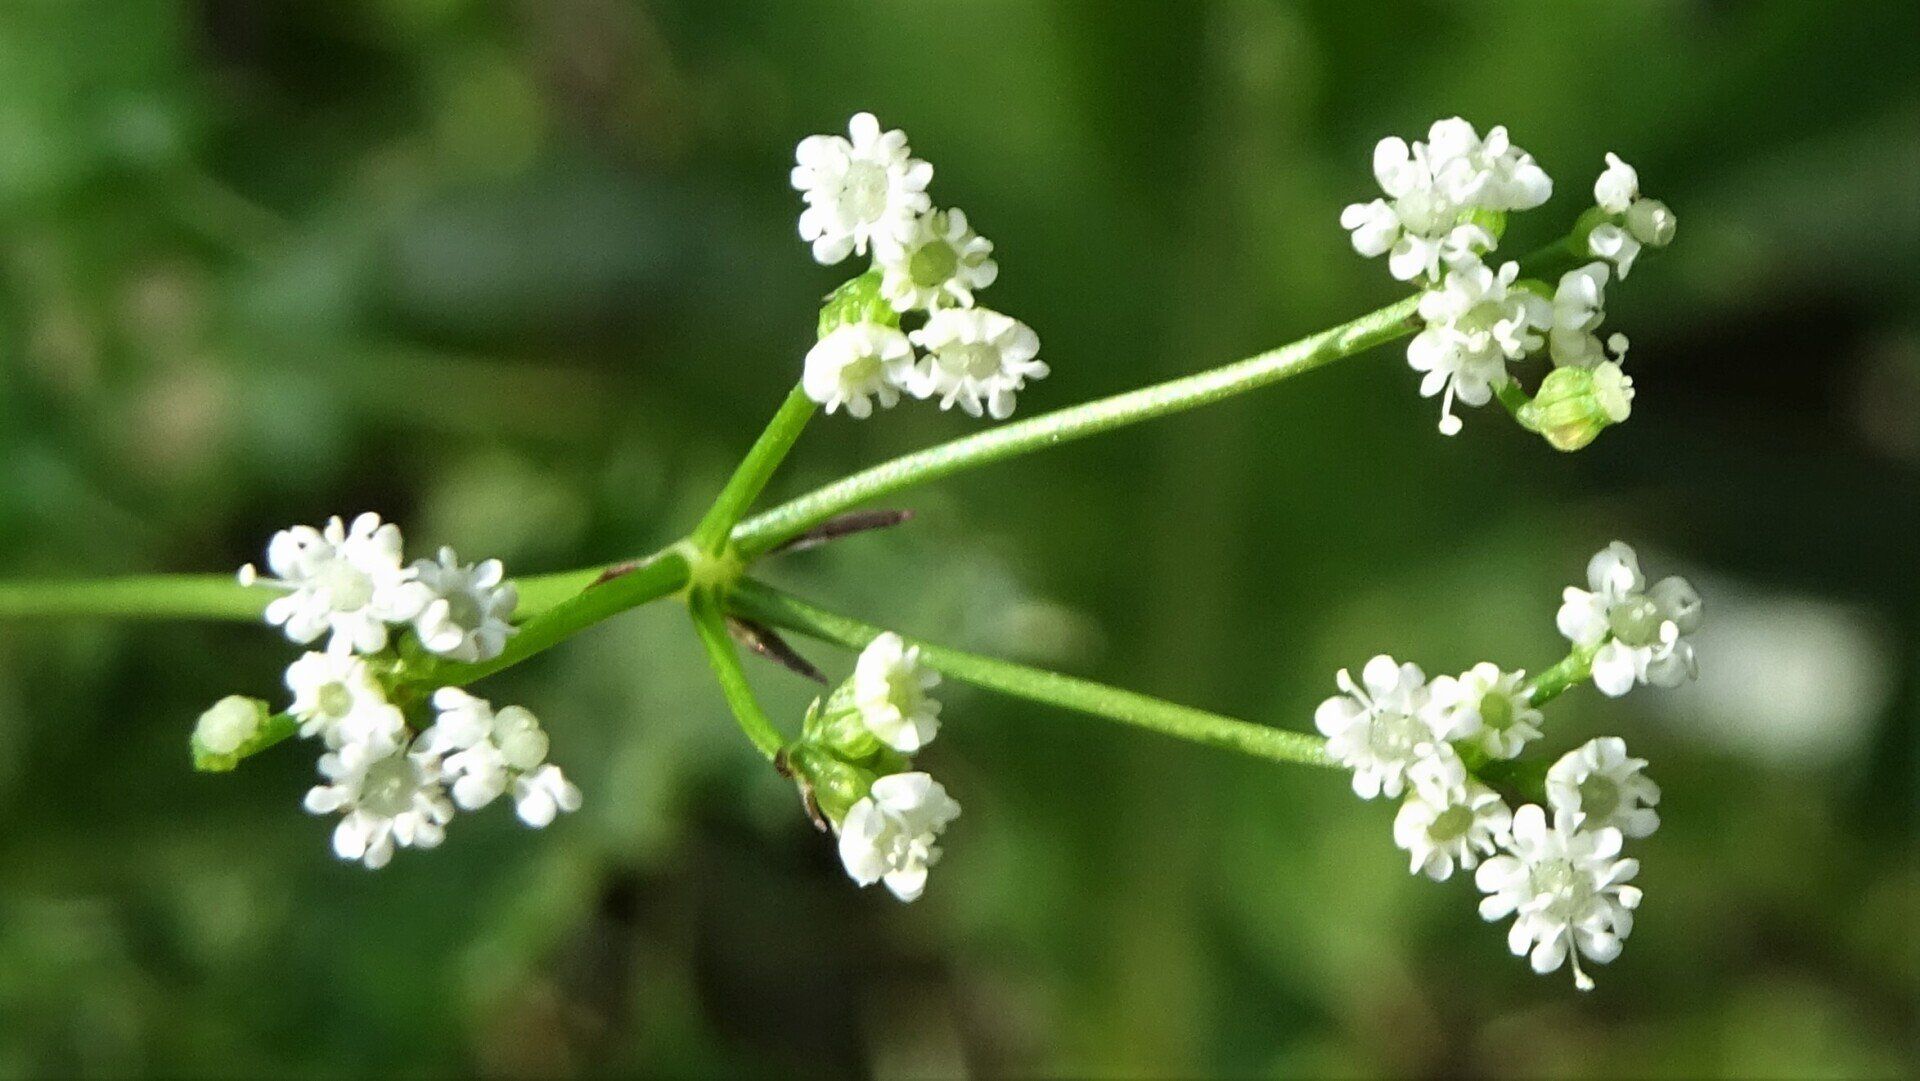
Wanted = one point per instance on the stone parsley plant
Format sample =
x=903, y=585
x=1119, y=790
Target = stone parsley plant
x=389, y=645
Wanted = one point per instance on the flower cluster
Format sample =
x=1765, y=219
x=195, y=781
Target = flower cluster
x=1555, y=866
x=380, y=617
x=851, y=763
x=1446, y=206
x=866, y=193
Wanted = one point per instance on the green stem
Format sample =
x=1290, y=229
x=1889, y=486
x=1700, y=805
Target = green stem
x=725, y=659
x=765, y=531
x=147, y=596
x=754, y=471
x=664, y=573
x=1575, y=668
x=770, y=605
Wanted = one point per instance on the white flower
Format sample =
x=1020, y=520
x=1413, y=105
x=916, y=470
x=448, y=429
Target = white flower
x=389, y=797
x=1435, y=187
x=1448, y=818
x=339, y=580
x=1566, y=889
x=1476, y=322
x=1488, y=174
x=486, y=751
x=856, y=362
x=1599, y=786
x=1379, y=729
x=1634, y=221
x=1579, y=307
x=1640, y=632
x=890, y=688
x=978, y=358
x=891, y=832
x=858, y=190
x=940, y=263
x=468, y=617
x=1485, y=708
x=1609, y=241
x=1618, y=186
x=337, y=698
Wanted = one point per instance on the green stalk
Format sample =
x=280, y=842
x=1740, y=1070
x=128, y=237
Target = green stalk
x=765, y=531
x=146, y=596
x=763, y=602
x=754, y=471
x=1573, y=669
x=710, y=624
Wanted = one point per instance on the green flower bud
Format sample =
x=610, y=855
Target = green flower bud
x=832, y=784
x=857, y=300
x=1574, y=404
x=232, y=729
x=1651, y=223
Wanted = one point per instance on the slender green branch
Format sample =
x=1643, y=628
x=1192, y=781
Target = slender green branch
x=767, y=604
x=1573, y=669
x=664, y=573
x=147, y=596
x=768, y=530
x=754, y=471
x=711, y=626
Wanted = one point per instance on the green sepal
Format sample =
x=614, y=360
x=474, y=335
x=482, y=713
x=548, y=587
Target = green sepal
x=857, y=300
x=831, y=784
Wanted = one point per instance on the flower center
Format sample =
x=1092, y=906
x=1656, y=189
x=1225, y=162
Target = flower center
x=933, y=264
x=346, y=587
x=860, y=372
x=1566, y=888
x=1393, y=735
x=866, y=191
x=1450, y=825
x=1599, y=797
x=1635, y=622
x=389, y=785
x=463, y=610
x=1496, y=711
x=975, y=360
x=334, y=699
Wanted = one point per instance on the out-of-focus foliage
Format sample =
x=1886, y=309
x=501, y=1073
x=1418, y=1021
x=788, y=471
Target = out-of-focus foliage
x=524, y=277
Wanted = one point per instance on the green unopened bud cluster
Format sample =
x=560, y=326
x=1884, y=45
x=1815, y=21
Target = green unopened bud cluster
x=837, y=758
x=1575, y=404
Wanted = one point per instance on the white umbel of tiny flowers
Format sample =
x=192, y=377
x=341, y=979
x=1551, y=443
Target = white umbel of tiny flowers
x=337, y=699
x=1637, y=221
x=940, y=264
x=1579, y=307
x=389, y=797
x=858, y=188
x=1448, y=819
x=1600, y=786
x=978, y=358
x=890, y=686
x=1379, y=726
x=857, y=363
x=468, y=617
x=1485, y=708
x=339, y=580
x=1421, y=229
x=484, y=752
x=891, y=834
x=1566, y=889
x=1476, y=322
x=1487, y=174
x=1641, y=633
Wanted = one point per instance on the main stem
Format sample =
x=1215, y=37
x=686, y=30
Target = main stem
x=753, y=472
x=767, y=604
x=762, y=532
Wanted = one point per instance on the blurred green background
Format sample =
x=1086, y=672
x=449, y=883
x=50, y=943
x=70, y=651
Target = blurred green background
x=524, y=277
